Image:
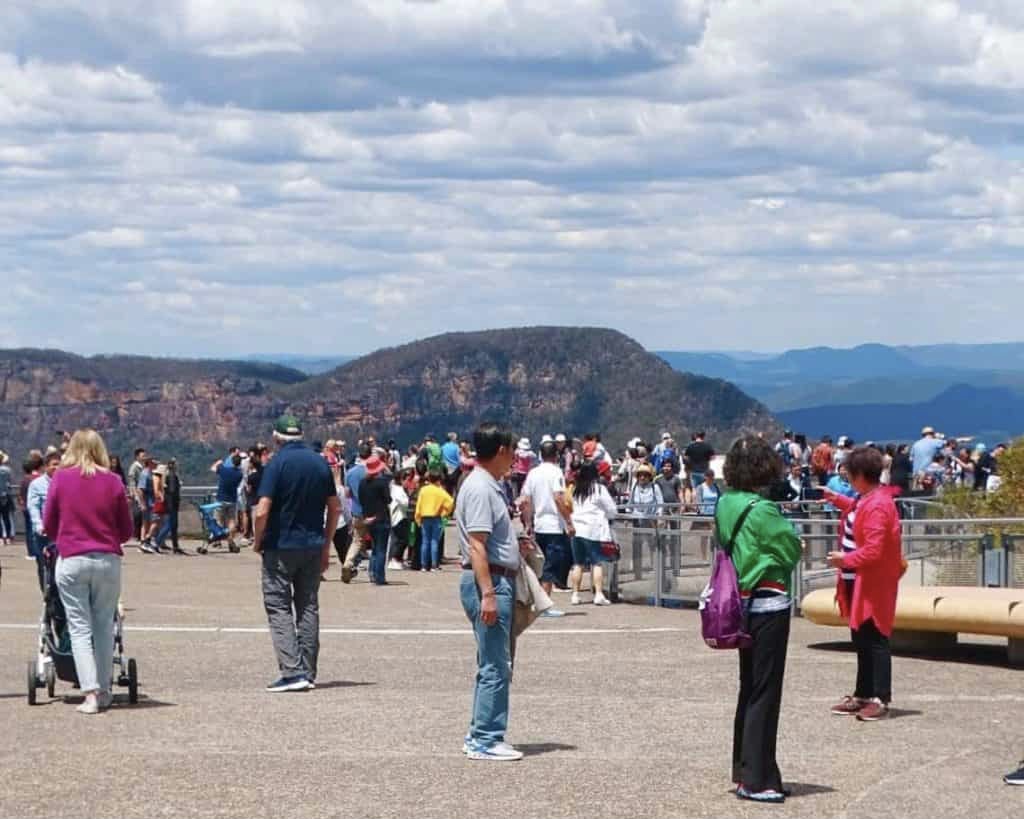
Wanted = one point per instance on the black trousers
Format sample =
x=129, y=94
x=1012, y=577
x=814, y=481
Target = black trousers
x=400, y=541
x=874, y=663
x=756, y=727
x=342, y=540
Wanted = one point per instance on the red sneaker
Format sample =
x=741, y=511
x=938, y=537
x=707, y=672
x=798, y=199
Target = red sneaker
x=873, y=711
x=849, y=707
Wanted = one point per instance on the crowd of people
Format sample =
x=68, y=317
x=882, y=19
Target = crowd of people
x=295, y=503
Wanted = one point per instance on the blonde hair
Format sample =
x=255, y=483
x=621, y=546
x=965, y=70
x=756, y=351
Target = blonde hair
x=87, y=451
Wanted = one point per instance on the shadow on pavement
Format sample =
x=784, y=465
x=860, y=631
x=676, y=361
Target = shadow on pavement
x=342, y=684
x=896, y=713
x=538, y=748
x=120, y=702
x=797, y=789
x=965, y=653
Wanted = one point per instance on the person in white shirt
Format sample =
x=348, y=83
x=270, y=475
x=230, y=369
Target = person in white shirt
x=592, y=513
x=546, y=515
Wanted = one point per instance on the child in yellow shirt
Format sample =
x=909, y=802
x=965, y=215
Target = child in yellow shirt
x=433, y=504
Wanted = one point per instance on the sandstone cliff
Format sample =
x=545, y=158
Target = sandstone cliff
x=539, y=379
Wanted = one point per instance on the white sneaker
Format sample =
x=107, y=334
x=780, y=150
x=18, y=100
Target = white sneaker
x=601, y=600
x=499, y=752
x=575, y=599
x=91, y=706
x=396, y=566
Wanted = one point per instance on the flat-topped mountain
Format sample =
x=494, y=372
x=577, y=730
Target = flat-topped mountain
x=538, y=379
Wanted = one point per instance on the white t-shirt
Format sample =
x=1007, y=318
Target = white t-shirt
x=542, y=484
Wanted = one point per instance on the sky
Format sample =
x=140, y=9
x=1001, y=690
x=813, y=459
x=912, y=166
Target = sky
x=223, y=177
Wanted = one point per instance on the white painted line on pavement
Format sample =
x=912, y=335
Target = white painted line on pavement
x=383, y=632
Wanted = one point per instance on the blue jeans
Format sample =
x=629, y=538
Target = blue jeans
x=90, y=586
x=696, y=479
x=494, y=667
x=431, y=543
x=168, y=529
x=381, y=533
x=30, y=535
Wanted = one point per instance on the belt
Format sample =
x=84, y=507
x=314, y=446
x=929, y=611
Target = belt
x=501, y=571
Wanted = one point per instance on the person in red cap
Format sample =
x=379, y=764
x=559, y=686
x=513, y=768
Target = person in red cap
x=375, y=499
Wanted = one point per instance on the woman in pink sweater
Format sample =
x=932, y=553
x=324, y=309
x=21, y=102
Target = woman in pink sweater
x=87, y=517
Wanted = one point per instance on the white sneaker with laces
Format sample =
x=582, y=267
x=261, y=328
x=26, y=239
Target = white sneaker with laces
x=395, y=566
x=601, y=600
x=575, y=599
x=499, y=752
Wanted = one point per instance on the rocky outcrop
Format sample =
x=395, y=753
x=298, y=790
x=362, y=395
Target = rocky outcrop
x=540, y=379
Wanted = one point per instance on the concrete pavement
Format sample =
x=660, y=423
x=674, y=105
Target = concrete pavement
x=622, y=712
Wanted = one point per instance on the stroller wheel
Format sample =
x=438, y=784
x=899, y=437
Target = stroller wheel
x=133, y=682
x=51, y=680
x=32, y=682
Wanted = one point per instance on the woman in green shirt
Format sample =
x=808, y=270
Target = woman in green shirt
x=765, y=548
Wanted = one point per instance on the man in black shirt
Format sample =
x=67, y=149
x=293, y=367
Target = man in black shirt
x=698, y=457
x=375, y=498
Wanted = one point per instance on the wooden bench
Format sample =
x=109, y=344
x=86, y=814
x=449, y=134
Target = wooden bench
x=928, y=618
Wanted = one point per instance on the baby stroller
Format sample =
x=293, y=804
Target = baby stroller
x=214, y=533
x=54, y=660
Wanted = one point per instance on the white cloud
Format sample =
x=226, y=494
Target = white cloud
x=748, y=171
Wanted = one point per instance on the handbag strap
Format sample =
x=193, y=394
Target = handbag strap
x=727, y=547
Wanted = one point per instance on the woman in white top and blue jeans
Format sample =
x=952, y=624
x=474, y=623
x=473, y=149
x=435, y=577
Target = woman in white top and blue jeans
x=592, y=512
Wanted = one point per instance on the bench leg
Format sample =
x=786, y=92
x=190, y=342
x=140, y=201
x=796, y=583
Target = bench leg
x=1015, y=652
x=925, y=642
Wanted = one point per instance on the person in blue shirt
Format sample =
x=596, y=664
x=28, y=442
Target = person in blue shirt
x=923, y=452
x=353, y=477
x=229, y=476
x=450, y=453
x=294, y=525
x=840, y=484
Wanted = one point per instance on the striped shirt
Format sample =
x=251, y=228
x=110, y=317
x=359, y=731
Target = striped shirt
x=849, y=545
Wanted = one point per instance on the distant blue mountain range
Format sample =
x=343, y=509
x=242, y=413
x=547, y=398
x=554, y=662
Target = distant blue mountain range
x=879, y=392
x=309, y=364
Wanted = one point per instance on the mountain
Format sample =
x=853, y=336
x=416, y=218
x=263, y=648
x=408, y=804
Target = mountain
x=991, y=414
x=308, y=364
x=538, y=379
x=868, y=374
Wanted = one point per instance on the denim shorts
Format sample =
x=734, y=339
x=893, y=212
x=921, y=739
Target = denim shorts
x=587, y=552
x=557, y=558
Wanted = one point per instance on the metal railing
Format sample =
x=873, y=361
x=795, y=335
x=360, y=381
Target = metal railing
x=666, y=561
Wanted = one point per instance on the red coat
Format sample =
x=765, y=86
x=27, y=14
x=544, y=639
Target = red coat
x=878, y=560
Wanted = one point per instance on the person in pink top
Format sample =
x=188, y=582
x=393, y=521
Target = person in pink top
x=87, y=517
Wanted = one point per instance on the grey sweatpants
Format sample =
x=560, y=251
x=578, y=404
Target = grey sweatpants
x=291, y=583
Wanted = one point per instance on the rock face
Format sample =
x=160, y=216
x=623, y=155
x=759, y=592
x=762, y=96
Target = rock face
x=539, y=379
x=132, y=399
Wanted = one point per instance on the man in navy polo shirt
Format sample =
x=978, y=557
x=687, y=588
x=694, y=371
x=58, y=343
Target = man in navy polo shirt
x=295, y=541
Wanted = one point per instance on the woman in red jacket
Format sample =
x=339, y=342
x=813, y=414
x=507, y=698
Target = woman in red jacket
x=870, y=565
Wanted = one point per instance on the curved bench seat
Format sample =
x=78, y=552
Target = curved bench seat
x=940, y=610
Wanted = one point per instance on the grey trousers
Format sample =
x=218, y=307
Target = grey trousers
x=291, y=584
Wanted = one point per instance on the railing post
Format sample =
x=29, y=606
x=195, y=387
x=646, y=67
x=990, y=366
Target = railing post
x=659, y=566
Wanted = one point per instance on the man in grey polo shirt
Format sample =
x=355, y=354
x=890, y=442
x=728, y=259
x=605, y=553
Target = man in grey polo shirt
x=490, y=558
